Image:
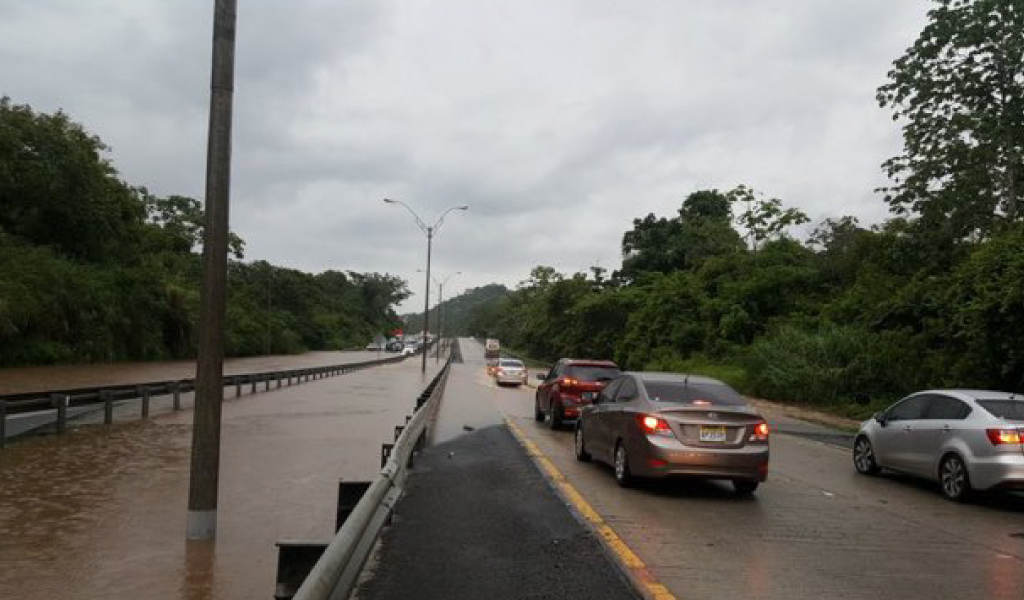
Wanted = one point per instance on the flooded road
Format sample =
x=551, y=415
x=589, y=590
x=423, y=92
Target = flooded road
x=100, y=511
x=14, y=380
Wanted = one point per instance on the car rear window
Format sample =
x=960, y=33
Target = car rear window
x=592, y=373
x=693, y=393
x=1005, y=409
x=512, y=363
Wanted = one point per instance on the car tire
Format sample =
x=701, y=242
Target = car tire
x=864, y=457
x=554, y=416
x=620, y=466
x=538, y=414
x=581, y=451
x=744, y=487
x=953, y=478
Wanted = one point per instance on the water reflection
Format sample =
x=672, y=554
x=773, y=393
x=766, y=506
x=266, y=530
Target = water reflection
x=197, y=580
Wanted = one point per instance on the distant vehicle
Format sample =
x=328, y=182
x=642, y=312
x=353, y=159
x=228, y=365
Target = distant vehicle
x=410, y=347
x=570, y=385
x=374, y=347
x=492, y=349
x=510, y=370
x=670, y=424
x=964, y=439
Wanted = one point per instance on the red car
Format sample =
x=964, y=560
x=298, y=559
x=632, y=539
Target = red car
x=570, y=385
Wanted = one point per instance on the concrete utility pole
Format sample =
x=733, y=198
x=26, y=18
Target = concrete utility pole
x=203, y=480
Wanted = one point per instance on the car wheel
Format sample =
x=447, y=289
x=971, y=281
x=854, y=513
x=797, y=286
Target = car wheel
x=554, y=416
x=744, y=487
x=864, y=457
x=953, y=478
x=581, y=451
x=621, y=466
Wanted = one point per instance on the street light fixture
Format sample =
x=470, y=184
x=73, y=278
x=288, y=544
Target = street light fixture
x=440, y=307
x=430, y=230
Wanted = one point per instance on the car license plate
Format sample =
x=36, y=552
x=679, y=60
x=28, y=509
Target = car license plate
x=712, y=434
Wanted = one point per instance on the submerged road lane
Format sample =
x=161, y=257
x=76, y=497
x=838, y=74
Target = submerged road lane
x=16, y=380
x=99, y=512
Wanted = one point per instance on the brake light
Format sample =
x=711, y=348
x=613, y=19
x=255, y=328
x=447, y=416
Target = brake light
x=760, y=433
x=570, y=382
x=1003, y=436
x=654, y=426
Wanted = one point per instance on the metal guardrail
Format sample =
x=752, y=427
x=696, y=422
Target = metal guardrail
x=335, y=574
x=61, y=400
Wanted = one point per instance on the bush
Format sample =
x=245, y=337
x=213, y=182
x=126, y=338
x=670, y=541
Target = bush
x=835, y=365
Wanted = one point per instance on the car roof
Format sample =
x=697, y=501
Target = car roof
x=587, y=362
x=660, y=376
x=975, y=394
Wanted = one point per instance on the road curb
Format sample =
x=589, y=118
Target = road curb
x=629, y=564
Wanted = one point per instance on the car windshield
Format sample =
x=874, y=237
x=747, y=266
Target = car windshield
x=1012, y=410
x=698, y=394
x=592, y=372
x=515, y=364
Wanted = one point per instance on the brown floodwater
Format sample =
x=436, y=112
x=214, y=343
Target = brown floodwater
x=14, y=380
x=99, y=512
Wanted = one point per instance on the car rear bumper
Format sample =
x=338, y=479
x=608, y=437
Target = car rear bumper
x=510, y=379
x=660, y=457
x=1004, y=471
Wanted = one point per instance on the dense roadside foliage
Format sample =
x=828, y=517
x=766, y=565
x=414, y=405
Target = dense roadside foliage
x=853, y=316
x=92, y=269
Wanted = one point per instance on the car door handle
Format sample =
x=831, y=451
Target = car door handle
x=906, y=428
x=947, y=428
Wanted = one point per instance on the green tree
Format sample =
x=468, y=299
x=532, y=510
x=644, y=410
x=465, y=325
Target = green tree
x=57, y=188
x=764, y=218
x=960, y=89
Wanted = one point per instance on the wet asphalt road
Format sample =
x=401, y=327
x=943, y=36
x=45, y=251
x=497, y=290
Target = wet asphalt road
x=479, y=521
x=815, y=530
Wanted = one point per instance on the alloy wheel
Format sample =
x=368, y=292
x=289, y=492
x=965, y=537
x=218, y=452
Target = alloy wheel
x=864, y=457
x=953, y=477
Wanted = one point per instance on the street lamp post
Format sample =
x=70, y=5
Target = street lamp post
x=430, y=230
x=440, y=308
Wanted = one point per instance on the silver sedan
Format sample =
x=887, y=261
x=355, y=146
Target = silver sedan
x=963, y=439
x=510, y=370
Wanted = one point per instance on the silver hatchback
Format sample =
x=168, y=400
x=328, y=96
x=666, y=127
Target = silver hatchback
x=964, y=439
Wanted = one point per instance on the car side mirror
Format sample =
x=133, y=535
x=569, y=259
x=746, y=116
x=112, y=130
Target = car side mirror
x=881, y=418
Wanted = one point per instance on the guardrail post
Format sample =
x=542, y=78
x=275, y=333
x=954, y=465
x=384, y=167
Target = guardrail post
x=108, y=407
x=144, y=393
x=349, y=494
x=398, y=431
x=3, y=423
x=385, y=453
x=267, y=379
x=60, y=402
x=176, y=392
x=238, y=386
x=277, y=376
x=253, y=379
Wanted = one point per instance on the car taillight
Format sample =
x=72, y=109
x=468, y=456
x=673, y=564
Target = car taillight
x=654, y=426
x=1003, y=436
x=570, y=382
x=760, y=433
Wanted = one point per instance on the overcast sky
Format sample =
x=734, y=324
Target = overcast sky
x=557, y=122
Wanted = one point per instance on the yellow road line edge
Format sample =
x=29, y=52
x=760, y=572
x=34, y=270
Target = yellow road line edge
x=631, y=563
